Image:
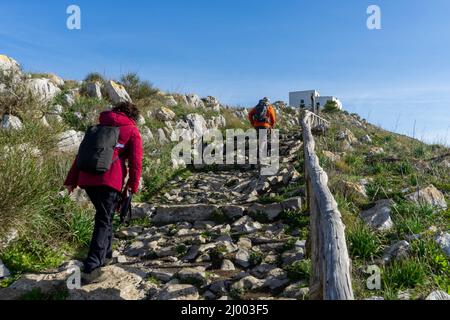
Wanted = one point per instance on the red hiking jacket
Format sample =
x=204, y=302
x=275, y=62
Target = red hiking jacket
x=115, y=178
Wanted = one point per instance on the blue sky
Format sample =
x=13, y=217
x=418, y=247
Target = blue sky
x=241, y=50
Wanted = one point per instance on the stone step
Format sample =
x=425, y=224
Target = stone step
x=171, y=214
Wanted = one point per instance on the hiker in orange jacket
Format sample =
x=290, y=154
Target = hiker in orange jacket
x=263, y=116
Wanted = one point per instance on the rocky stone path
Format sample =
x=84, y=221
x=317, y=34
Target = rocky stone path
x=210, y=238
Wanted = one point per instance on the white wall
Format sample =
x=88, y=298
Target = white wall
x=323, y=101
x=295, y=98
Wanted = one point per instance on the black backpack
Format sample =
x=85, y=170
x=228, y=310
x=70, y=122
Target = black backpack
x=96, y=152
x=261, y=113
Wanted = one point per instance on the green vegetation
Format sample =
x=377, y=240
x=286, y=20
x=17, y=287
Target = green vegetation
x=300, y=270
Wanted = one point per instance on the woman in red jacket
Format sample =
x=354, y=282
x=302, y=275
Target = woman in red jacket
x=104, y=190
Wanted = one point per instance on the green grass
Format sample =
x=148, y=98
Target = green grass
x=363, y=243
x=404, y=274
x=299, y=270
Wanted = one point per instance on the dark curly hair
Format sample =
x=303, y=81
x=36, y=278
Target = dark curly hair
x=129, y=109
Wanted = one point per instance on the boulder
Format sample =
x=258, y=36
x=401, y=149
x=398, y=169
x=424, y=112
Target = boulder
x=276, y=279
x=162, y=138
x=147, y=135
x=94, y=90
x=69, y=99
x=42, y=89
x=4, y=272
x=177, y=292
x=443, y=240
x=70, y=141
x=430, y=196
x=183, y=213
x=379, y=217
x=165, y=114
x=353, y=189
x=116, y=92
x=296, y=291
x=366, y=139
x=11, y=122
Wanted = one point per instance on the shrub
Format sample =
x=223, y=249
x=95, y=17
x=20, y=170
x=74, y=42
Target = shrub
x=331, y=107
x=136, y=88
x=94, y=77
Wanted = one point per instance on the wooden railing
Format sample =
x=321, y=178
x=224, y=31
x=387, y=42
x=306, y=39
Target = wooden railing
x=331, y=266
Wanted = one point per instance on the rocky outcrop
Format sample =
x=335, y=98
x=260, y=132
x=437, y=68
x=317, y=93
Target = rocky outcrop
x=212, y=103
x=116, y=92
x=194, y=101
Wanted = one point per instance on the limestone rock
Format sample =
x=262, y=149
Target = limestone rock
x=246, y=224
x=165, y=114
x=183, y=213
x=4, y=272
x=194, y=276
x=227, y=265
x=194, y=101
x=443, y=240
x=233, y=212
x=177, y=292
x=293, y=204
x=115, y=283
x=270, y=211
x=332, y=156
x=379, y=217
x=430, y=196
x=212, y=103
x=170, y=101
x=248, y=283
x=243, y=258
x=116, y=92
x=8, y=64
x=438, y=295
x=11, y=122
x=43, y=89
x=397, y=251
x=94, y=90
x=70, y=141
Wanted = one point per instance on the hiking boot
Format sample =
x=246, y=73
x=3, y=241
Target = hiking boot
x=89, y=277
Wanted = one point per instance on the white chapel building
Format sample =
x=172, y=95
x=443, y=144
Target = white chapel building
x=303, y=99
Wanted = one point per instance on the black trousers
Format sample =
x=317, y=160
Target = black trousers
x=104, y=200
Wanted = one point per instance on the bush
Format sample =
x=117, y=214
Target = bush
x=136, y=88
x=331, y=107
x=94, y=77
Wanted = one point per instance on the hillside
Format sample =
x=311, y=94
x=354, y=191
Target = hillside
x=210, y=232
